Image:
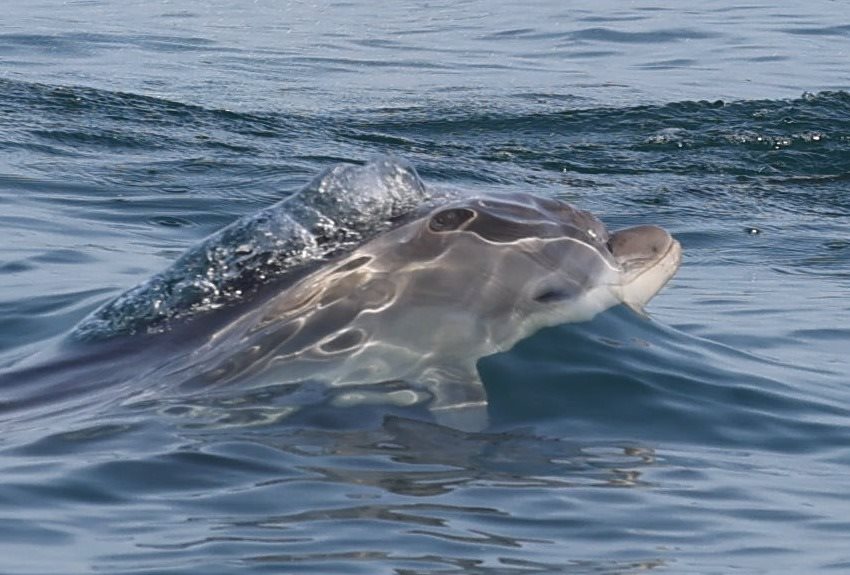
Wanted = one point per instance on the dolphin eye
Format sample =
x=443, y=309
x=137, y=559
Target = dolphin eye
x=449, y=220
x=552, y=295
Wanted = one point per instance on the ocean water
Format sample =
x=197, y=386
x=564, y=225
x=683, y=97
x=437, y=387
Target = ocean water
x=711, y=436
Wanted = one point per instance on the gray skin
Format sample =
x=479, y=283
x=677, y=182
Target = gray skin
x=423, y=302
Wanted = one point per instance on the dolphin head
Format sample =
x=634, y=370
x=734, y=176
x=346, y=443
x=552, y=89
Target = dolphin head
x=552, y=262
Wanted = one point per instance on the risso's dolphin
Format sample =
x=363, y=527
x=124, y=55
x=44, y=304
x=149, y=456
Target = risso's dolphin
x=422, y=302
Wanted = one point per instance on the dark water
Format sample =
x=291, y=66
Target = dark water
x=710, y=438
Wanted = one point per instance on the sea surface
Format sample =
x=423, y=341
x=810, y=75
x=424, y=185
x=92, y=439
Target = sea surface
x=710, y=436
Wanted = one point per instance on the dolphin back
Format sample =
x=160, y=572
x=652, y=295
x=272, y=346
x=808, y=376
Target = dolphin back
x=339, y=210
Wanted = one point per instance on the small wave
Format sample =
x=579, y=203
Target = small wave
x=640, y=378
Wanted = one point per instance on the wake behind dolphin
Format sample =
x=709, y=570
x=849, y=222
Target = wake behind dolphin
x=415, y=299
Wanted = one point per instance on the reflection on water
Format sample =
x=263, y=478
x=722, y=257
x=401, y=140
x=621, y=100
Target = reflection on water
x=442, y=500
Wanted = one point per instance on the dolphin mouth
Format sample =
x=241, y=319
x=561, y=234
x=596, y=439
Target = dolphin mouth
x=648, y=257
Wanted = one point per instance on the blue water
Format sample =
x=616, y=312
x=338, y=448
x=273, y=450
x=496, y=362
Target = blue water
x=711, y=437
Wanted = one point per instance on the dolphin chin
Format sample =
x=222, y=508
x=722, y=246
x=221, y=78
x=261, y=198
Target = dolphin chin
x=648, y=256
